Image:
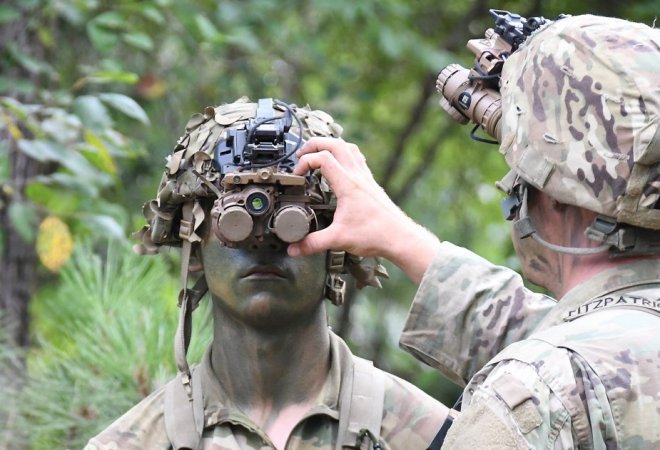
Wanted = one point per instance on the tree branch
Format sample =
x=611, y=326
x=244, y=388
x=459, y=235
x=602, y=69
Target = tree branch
x=425, y=164
x=455, y=38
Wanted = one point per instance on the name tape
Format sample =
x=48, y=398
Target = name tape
x=613, y=301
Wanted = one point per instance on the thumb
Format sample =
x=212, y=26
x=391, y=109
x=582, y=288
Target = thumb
x=316, y=242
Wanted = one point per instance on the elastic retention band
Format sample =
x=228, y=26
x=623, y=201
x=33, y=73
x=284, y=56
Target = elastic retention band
x=525, y=228
x=572, y=250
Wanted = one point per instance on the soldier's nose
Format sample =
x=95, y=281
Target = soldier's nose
x=268, y=243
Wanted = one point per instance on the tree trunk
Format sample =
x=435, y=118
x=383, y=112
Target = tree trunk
x=18, y=260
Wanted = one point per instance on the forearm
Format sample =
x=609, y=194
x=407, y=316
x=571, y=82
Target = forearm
x=411, y=247
x=466, y=310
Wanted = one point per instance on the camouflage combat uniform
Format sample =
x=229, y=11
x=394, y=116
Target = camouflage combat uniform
x=408, y=415
x=581, y=123
x=585, y=372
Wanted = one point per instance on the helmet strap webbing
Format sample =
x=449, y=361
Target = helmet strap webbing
x=525, y=228
x=188, y=298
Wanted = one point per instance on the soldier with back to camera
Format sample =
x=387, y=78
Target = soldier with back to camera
x=579, y=126
x=274, y=376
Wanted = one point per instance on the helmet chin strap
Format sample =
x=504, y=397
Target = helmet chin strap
x=525, y=228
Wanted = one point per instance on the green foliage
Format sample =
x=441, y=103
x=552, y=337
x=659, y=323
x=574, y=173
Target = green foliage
x=104, y=342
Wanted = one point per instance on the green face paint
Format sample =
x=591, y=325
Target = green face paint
x=262, y=285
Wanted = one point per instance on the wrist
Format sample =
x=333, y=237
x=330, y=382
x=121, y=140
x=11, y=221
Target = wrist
x=412, y=248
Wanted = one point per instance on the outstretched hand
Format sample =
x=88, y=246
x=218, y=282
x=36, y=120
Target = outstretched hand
x=366, y=221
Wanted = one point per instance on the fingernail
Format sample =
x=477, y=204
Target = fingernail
x=293, y=251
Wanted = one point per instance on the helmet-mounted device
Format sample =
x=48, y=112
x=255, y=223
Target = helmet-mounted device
x=574, y=105
x=258, y=194
x=473, y=95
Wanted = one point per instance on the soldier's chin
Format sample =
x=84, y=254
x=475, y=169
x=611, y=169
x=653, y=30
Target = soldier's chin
x=270, y=313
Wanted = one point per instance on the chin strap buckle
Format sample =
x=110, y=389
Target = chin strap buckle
x=335, y=286
x=624, y=240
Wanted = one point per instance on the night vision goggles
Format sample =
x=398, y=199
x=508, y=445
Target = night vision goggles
x=258, y=195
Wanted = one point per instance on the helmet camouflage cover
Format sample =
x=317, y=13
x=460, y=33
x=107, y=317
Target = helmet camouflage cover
x=189, y=171
x=580, y=105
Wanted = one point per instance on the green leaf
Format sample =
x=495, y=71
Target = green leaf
x=50, y=151
x=42, y=150
x=8, y=14
x=17, y=108
x=55, y=200
x=105, y=77
x=92, y=112
x=98, y=153
x=139, y=40
x=88, y=187
x=111, y=19
x=29, y=4
x=152, y=14
x=102, y=38
x=104, y=225
x=60, y=126
x=22, y=86
x=23, y=218
x=125, y=105
x=46, y=37
x=28, y=62
x=206, y=28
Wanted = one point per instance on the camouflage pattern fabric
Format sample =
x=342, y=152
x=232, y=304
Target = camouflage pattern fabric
x=409, y=417
x=194, y=152
x=581, y=373
x=581, y=116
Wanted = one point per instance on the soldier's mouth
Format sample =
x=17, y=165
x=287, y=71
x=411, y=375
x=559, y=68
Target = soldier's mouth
x=265, y=272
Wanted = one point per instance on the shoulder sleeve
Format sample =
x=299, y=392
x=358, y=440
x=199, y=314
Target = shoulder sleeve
x=411, y=418
x=466, y=310
x=513, y=408
x=140, y=428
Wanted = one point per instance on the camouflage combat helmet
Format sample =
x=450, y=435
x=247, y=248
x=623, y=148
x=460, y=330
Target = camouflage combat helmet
x=192, y=181
x=580, y=108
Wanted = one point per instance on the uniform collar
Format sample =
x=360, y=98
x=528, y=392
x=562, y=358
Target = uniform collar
x=624, y=276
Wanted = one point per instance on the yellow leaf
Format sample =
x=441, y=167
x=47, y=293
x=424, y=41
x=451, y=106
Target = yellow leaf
x=14, y=131
x=103, y=159
x=54, y=243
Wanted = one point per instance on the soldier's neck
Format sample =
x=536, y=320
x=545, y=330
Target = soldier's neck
x=577, y=269
x=266, y=371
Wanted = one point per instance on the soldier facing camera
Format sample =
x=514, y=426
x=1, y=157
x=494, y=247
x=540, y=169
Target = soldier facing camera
x=274, y=375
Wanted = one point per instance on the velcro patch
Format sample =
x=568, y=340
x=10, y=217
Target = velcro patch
x=520, y=400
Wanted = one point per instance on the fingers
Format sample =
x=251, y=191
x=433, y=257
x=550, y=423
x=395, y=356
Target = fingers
x=330, y=167
x=346, y=153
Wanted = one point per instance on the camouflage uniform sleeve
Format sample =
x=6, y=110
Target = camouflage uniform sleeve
x=140, y=428
x=411, y=417
x=536, y=395
x=513, y=409
x=466, y=310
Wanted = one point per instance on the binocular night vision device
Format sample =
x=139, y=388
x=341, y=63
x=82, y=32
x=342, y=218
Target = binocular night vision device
x=260, y=195
x=473, y=95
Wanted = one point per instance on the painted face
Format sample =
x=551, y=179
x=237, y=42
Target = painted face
x=262, y=286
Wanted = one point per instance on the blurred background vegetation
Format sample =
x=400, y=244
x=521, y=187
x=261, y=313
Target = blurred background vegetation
x=94, y=94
